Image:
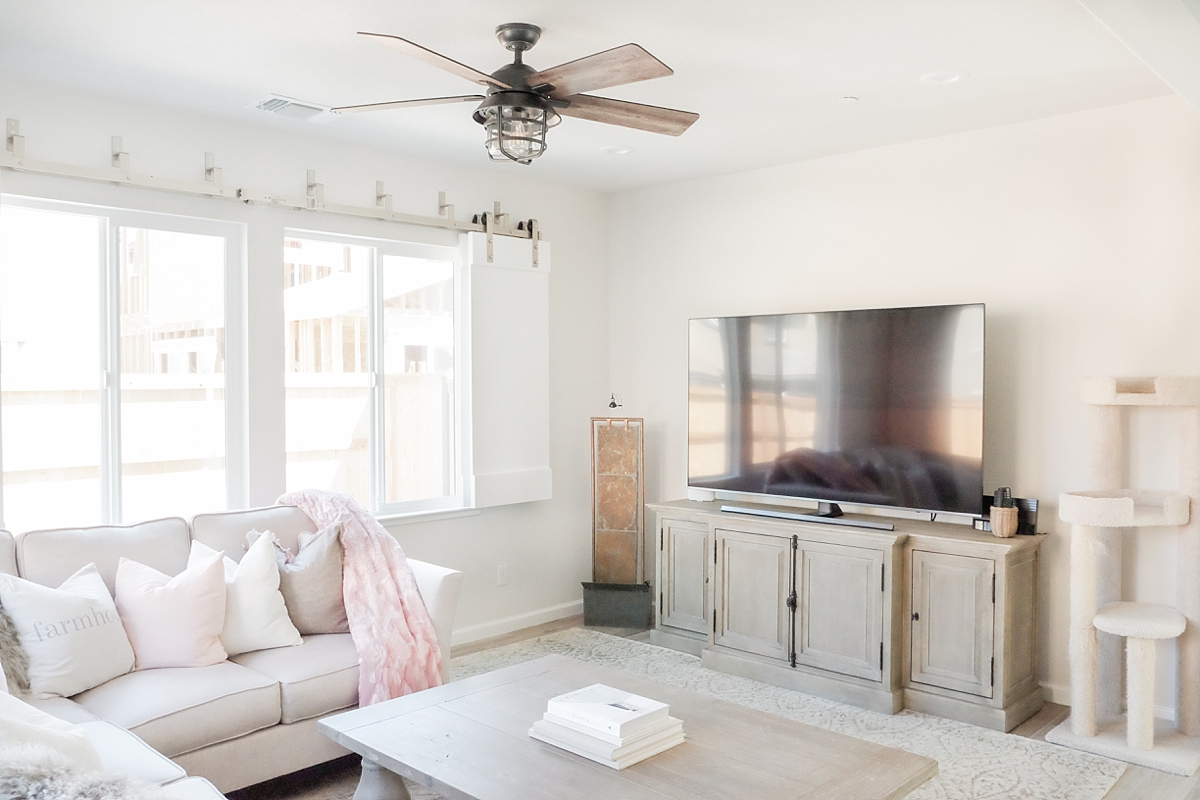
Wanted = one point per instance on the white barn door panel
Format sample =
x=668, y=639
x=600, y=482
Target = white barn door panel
x=509, y=310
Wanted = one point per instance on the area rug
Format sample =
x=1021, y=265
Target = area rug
x=974, y=763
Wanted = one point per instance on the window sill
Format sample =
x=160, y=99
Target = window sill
x=427, y=516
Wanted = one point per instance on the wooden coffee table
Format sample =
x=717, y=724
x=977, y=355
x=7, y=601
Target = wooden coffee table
x=469, y=740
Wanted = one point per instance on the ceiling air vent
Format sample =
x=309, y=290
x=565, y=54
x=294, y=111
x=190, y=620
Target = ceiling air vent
x=295, y=109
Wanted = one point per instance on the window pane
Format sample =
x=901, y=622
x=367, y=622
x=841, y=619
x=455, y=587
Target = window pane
x=172, y=301
x=326, y=378
x=418, y=362
x=50, y=368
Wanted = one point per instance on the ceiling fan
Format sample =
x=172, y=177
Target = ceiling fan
x=522, y=103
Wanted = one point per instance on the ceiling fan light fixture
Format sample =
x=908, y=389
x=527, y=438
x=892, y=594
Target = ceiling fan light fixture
x=515, y=125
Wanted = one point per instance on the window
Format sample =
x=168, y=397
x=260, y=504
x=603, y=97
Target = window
x=372, y=398
x=113, y=364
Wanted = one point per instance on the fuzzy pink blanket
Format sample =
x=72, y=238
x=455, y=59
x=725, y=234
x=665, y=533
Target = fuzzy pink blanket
x=397, y=645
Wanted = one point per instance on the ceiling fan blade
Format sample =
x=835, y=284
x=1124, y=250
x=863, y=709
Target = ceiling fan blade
x=629, y=115
x=428, y=101
x=628, y=63
x=435, y=59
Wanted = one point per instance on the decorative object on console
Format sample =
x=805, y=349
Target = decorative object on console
x=1099, y=616
x=1027, y=515
x=1003, y=514
x=618, y=594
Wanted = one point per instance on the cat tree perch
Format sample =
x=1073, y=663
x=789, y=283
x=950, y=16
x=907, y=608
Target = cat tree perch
x=1100, y=618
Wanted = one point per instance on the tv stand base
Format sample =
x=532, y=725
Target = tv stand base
x=829, y=517
x=829, y=510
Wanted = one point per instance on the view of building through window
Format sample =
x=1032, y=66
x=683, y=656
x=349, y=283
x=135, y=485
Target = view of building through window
x=60, y=383
x=331, y=310
x=418, y=386
x=327, y=381
x=50, y=266
x=172, y=334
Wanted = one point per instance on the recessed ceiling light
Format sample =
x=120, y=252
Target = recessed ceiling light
x=944, y=77
x=617, y=150
x=847, y=100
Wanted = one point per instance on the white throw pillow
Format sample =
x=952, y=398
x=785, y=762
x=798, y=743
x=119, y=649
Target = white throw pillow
x=72, y=634
x=23, y=725
x=255, y=615
x=173, y=622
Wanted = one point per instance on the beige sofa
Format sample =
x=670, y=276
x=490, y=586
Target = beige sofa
x=245, y=720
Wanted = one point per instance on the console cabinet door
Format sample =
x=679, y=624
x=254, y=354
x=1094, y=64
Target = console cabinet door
x=840, y=618
x=952, y=621
x=755, y=580
x=687, y=555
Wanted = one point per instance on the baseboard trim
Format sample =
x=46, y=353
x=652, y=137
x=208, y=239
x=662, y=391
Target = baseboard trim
x=486, y=630
x=1057, y=693
x=1061, y=693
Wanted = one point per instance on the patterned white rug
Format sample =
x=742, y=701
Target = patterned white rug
x=974, y=763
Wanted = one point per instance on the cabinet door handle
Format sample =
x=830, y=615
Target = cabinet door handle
x=916, y=617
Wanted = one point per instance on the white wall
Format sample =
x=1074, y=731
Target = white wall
x=1080, y=232
x=546, y=545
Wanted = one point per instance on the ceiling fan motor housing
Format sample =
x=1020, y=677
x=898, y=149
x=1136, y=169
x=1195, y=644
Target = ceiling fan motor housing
x=518, y=36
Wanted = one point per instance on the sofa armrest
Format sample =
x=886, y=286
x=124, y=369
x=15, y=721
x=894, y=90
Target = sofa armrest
x=439, y=587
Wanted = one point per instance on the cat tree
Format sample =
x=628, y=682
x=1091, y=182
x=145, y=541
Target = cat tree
x=1099, y=617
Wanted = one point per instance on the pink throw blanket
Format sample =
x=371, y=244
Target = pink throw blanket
x=397, y=646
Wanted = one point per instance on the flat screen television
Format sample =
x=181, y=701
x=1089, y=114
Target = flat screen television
x=879, y=407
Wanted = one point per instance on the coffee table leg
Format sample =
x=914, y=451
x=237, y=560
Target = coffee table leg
x=379, y=783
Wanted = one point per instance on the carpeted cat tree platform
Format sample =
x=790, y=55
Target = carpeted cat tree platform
x=1100, y=619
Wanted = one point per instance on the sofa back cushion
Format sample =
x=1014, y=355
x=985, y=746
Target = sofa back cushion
x=8, y=554
x=49, y=557
x=227, y=530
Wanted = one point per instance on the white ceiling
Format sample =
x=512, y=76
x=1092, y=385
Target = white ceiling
x=765, y=75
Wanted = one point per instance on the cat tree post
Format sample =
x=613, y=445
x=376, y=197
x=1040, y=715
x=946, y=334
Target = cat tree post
x=1083, y=650
x=1187, y=580
x=1107, y=472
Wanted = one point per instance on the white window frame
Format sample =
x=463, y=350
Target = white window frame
x=109, y=379
x=375, y=340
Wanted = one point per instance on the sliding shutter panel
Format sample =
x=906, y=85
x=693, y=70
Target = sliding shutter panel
x=509, y=301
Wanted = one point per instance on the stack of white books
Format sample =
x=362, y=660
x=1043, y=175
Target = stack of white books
x=608, y=725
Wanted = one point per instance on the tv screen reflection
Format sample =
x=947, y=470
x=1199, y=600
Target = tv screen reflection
x=881, y=407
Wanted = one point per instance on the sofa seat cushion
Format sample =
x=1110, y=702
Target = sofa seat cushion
x=319, y=676
x=122, y=753
x=178, y=709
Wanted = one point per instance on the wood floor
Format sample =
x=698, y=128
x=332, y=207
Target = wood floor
x=336, y=780
x=1138, y=783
